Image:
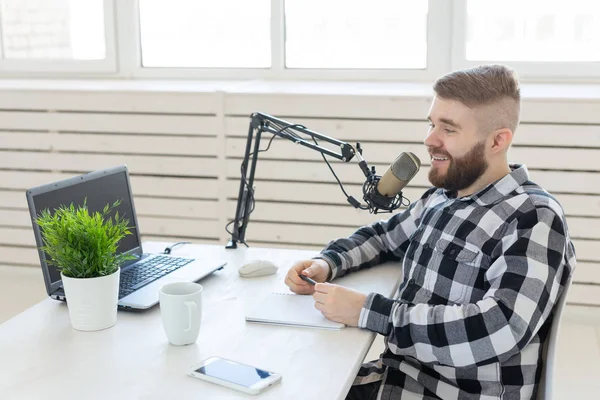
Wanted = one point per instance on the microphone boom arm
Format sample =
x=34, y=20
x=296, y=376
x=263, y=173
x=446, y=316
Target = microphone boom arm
x=261, y=123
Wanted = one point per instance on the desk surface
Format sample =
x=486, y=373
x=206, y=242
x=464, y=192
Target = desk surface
x=43, y=357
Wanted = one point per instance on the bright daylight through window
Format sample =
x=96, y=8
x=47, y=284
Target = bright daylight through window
x=397, y=40
x=206, y=33
x=53, y=29
x=380, y=34
x=515, y=30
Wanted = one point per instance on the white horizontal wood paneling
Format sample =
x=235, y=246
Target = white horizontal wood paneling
x=175, y=187
x=12, y=199
x=584, y=294
x=587, y=250
x=178, y=208
x=303, y=192
x=316, y=214
x=275, y=232
x=588, y=272
x=560, y=111
x=553, y=181
x=184, y=147
x=323, y=105
x=414, y=131
x=100, y=99
x=12, y=255
x=165, y=186
x=18, y=236
x=109, y=143
x=11, y=178
x=103, y=122
x=168, y=140
x=79, y=162
x=537, y=158
x=298, y=200
x=15, y=218
x=178, y=238
x=175, y=227
x=190, y=211
x=330, y=193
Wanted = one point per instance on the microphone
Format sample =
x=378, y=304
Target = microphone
x=385, y=192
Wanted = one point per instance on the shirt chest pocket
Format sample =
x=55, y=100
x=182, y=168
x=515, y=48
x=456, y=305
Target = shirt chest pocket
x=453, y=270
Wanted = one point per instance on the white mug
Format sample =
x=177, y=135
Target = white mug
x=181, y=311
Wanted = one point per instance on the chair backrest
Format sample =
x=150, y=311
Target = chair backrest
x=549, y=354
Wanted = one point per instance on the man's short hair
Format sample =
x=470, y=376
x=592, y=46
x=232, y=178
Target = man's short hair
x=492, y=88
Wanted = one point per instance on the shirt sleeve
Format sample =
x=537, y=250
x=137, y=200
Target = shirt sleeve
x=525, y=281
x=376, y=243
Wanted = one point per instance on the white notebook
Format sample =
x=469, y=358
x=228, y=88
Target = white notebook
x=289, y=309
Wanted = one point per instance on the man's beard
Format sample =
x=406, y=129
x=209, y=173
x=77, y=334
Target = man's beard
x=461, y=172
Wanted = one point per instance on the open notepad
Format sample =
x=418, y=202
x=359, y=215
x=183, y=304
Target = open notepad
x=289, y=309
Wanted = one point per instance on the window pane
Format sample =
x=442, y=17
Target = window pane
x=511, y=30
x=206, y=33
x=378, y=34
x=53, y=29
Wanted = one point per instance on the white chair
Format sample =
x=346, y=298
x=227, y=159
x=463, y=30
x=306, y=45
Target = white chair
x=549, y=353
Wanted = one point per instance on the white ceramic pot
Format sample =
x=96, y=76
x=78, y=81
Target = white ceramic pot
x=92, y=302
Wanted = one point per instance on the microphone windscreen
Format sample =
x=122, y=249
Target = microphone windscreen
x=406, y=166
x=398, y=174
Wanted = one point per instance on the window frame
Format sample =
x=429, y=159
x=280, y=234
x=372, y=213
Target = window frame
x=528, y=71
x=439, y=28
x=446, y=38
x=44, y=67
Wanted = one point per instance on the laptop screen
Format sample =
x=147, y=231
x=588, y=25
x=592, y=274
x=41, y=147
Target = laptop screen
x=99, y=192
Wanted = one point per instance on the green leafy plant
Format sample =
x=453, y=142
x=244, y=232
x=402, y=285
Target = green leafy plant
x=83, y=245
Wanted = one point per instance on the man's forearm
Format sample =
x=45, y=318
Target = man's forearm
x=370, y=245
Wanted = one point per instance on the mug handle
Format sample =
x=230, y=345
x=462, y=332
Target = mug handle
x=192, y=314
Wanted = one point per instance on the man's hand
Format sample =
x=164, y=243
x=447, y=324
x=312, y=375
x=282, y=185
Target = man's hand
x=339, y=303
x=316, y=269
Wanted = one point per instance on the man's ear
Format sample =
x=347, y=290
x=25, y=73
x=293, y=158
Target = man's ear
x=501, y=139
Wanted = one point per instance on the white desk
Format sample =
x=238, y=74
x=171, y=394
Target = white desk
x=42, y=357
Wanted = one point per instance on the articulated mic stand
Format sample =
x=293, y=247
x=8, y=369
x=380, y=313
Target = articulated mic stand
x=260, y=123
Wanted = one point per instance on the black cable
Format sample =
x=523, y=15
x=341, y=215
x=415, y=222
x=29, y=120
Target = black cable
x=368, y=187
x=280, y=131
x=249, y=190
x=170, y=248
x=350, y=199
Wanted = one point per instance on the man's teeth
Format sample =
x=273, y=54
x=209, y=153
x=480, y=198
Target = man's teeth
x=439, y=158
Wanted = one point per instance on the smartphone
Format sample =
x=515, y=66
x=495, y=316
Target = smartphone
x=234, y=375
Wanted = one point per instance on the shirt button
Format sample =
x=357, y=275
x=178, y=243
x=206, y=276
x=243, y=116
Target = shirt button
x=411, y=282
x=426, y=246
x=452, y=252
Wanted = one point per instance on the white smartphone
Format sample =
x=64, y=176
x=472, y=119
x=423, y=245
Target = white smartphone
x=234, y=375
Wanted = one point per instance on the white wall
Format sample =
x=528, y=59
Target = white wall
x=183, y=144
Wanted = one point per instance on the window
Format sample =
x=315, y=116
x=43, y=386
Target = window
x=380, y=34
x=205, y=33
x=511, y=30
x=542, y=40
x=51, y=34
x=410, y=40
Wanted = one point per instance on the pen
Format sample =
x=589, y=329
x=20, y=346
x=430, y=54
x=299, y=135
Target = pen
x=307, y=279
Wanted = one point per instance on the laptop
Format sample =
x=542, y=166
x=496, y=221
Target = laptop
x=140, y=278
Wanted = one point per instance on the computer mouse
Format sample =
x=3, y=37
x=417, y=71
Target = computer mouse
x=257, y=268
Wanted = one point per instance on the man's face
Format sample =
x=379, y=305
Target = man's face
x=456, y=148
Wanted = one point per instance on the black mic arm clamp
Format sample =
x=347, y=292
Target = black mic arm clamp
x=375, y=200
x=259, y=124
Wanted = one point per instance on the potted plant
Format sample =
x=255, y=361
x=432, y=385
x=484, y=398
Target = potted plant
x=83, y=247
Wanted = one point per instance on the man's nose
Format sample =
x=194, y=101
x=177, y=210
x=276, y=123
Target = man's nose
x=432, y=139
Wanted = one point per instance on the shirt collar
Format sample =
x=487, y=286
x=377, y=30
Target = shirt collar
x=499, y=189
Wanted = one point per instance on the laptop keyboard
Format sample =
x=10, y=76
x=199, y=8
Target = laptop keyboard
x=145, y=272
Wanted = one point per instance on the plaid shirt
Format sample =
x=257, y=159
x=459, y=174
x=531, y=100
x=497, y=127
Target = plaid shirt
x=481, y=275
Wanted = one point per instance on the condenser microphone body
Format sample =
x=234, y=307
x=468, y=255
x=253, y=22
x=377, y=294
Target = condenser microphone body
x=398, y=174
x=386, y=193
